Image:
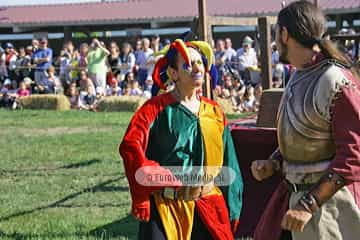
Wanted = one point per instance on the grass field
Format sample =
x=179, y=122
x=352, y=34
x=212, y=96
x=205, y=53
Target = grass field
x=61, y=176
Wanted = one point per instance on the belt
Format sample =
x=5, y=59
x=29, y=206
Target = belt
x=187, y=193
x=298, y=187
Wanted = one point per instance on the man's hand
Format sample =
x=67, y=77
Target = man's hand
x=295, y=219
x=262, y=169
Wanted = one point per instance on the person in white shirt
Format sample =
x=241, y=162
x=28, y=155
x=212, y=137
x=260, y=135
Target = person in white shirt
x=142, y=60
x=230, y=53
x=246, y=57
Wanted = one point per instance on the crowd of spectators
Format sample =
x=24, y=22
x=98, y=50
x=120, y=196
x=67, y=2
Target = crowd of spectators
x=89, y=72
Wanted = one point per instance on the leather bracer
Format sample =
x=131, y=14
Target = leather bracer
x=322, y=191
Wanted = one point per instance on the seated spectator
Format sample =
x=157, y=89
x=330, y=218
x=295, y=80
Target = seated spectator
x=44, y=86
x=6, y=85
x=250, y=100
x=100, y=92
x=87, y=99
x=227, y=87
x=55, y=81
x=85, y=81
x=88, y=92
x=128, y=78
x=237, y=99
x=22, y=91
x=126, y=90
x=148, y=87
x=73, y=94
x=8, y=98
x=28, y=83
x=113, y=91
x=134, y=88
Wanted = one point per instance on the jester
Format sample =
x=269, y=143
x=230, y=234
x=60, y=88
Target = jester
x=180, y=128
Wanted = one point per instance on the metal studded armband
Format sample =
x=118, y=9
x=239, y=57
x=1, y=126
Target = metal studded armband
x=322, y=191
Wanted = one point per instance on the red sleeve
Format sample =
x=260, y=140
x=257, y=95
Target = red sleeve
x=133, y=146
x=346, y=132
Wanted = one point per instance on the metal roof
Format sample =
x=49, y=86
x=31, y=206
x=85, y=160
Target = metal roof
x=147, y=10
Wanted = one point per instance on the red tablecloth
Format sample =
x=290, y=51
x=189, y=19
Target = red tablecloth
x=253, y=143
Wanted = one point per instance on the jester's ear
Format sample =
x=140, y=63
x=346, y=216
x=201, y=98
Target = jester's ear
x=172, y=73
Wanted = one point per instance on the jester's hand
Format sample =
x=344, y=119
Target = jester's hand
x=141, y=211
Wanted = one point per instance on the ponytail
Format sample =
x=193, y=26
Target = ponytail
x=330, y=51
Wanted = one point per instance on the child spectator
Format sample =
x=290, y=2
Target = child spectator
x=148, y=87
x=28, y=83
x=113, y=91
x=87, y=98
x=250, y=100
x=7, y=100
x=22, y=91
x=54, y=81
x=73, y=94
x=134, y=88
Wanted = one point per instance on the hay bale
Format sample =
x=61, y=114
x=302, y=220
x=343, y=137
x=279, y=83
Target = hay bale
x=120, y=103
x=45, y=101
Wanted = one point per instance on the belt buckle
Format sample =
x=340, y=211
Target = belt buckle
x=292, y=186
x=169, y=193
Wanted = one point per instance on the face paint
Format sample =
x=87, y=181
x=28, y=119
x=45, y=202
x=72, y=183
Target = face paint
x=189, y=69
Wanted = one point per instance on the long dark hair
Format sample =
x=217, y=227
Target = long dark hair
x=307, y=24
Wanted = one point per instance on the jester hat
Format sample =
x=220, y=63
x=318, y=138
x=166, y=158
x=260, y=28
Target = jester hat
x=160, y=75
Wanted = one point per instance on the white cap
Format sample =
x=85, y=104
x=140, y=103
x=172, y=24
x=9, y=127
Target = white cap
x=7, y=81
x=99, y=90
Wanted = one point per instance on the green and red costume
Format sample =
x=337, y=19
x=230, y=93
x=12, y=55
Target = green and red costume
x=163, y=132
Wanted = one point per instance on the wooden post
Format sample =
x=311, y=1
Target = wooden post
x=357, y=41
x=203, y=20
x=265, y=56
x=67, y=34
x=204, y=35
